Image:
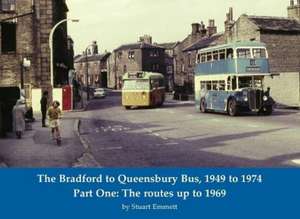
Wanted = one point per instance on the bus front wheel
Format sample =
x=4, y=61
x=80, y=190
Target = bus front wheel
x=127, y=107
x=232, y=108
x=202, y=106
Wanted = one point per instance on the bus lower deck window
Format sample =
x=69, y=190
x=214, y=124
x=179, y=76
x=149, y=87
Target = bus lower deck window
x=215, y=85
x=203, y=85
x=221, y=85
x=208, y=85
x=234, y=81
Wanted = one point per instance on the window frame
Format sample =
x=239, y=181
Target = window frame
x=8, y=3
x=6, y=51
x=131, y=54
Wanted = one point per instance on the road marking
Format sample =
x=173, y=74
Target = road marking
x=167, y=144
x=172, y=143
x=111, y=148
x=253, y=126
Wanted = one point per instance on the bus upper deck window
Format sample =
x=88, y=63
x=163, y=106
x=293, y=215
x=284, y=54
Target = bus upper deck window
x=209, y=57
x=259, y=53
x=198, y=58
x=216, y=56
x=229, y=53
x=222, y=54
x=243, y=53
x=203, y=57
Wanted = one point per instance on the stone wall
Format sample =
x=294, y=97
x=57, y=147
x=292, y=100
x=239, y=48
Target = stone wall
x=244, y=30
x=284, y=51
x=32, y=42
x=285, y=88
x=10, y=68
x=123, y=64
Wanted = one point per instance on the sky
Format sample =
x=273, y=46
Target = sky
x=115, y=22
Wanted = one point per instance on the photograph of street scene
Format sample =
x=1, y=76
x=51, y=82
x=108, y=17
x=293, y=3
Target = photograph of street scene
x=138, y=83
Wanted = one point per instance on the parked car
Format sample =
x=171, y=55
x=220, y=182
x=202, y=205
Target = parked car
x=99, y=93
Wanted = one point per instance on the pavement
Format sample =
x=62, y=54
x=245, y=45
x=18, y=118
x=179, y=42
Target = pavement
x=37, y=148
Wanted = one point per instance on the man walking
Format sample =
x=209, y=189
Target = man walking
x=44, y=107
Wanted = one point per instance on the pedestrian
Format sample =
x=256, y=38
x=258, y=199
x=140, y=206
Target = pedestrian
x=54, y=114
x=19, y=111
x=44, y=106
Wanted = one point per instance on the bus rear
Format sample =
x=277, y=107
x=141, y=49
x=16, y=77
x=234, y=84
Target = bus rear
x=142, y=89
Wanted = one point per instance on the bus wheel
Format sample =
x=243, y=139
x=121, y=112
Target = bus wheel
x=127, y=107
x=232, y=108
x=202, y=106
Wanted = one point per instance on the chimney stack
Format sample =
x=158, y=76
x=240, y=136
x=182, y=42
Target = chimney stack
x=146, y=39
x=292, y=3
x=195, y=28
x=229, y=22
x=211, y=29
x=94, y=48
x=294, y=10
x=202, y=29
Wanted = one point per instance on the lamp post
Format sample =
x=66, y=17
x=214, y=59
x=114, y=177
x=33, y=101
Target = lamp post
x=87, y=70
x=51, y=46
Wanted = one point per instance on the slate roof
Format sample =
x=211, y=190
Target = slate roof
x=204, y=42
x=91, y=58
x=275, y=24
x=171, y=45
x=139, y=45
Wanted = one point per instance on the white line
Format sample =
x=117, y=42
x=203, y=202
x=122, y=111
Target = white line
x=111, y=148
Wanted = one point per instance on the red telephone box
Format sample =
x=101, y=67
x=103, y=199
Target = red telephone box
x=67, y=98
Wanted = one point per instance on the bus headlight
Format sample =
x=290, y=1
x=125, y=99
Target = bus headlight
x=265, y=98
x=246, y=99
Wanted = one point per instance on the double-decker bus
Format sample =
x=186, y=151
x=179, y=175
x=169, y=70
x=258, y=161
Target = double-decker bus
x=230, y=78
x=144, y=89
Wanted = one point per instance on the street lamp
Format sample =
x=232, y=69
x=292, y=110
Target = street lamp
x=51, y=46
x=87, y=69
